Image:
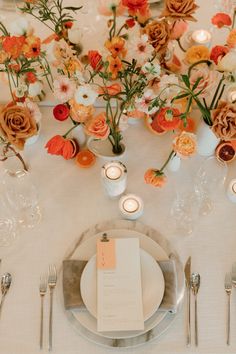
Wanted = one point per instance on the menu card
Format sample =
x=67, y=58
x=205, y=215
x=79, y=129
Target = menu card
x=119, y=292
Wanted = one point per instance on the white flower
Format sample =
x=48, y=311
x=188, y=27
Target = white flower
x=20, y=27
x=85, y=95
x=140, y=49
x=169, y=85
x=64, y=88
x=50, y=49
x=20, y=90
x=74, y=34
x=143, y=103
x=228, y=62
x=34, y=110
x=152, y=69
x=35, y=89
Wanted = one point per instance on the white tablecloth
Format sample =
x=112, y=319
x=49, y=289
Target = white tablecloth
x=72, y=199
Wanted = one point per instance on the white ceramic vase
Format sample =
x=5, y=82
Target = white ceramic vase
x=103, y=149
x=79, y=135
x=206, y=140
x=174, y=164
x=33, y=139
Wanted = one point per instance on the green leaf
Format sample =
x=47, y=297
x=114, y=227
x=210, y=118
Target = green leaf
x=196, y=83
x=183, y=95
x=73, y=8
x=185, y=79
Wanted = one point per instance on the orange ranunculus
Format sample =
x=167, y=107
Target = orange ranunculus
x=79, y=112
x=197, y=53
x=218, y=52
x=155, y=178
x=231, y=39
x=115, y=65
x=221, y=19
x=185, y=144
x=13, y=46
x=187, y=126
x=168, y=118
x=116, y=46
x=111, y=90
x=98, y=127
x=32, y=47
x=95, y=59
x=135, y=6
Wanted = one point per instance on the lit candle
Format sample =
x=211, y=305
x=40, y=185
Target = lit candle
x=231, y=191
x=201, y=37
x=131, y=206
x=114, y=177
x=232, y=96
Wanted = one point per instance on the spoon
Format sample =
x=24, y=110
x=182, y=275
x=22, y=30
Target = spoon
x=195, y=285
x=5, y=285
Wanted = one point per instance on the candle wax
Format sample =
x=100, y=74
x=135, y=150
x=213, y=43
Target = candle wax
x=130, y=205
x=113, y=172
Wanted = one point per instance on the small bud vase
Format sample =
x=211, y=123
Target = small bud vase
x=206, y=140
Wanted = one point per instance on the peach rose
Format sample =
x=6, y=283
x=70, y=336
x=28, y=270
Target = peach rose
x=17, y=124
x=178, y=28
x=176, y=9
x=185, y=144
x=79, y=112
x=98, y=127
x=155, y=178
x=224, y=120
x=197, y=53
x=159, y=35
x=231, y=39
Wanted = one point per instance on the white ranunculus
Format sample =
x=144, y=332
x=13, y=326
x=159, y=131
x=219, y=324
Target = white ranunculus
x=35, y=89
x=85, y=95
x=228, y=62
x=19, y=27
x=74, y=35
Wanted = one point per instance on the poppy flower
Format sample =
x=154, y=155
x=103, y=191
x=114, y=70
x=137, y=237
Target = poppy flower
x=116, y=46
x=32, y=47
x=115, y=65
x=13, y=45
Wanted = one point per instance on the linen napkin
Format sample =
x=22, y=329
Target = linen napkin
x=72, y=271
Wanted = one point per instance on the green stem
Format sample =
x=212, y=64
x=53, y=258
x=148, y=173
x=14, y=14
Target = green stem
x=167, y=161
x=216, y=92
x=65, y=135
x=180, y=45
x=208, y=62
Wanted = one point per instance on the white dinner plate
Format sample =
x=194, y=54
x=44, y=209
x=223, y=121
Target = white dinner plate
x=87, y=249
x=153, y=285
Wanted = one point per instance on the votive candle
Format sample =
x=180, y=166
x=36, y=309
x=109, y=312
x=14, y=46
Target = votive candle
x=114, y=178
x=231, y=190
x=131, y=206
x=201, y=37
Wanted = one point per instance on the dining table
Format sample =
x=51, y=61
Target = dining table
x=72, y=199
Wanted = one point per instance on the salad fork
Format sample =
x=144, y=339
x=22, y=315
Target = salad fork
x=52, y=280
x=228, y=289
x=42, y=292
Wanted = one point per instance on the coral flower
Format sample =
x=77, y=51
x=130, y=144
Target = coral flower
x=32, y=47
x=135, y=6
x=79, y=112
x=185, y=144
x=115, y=65
x=111, y=90
x=116, y=46
x=55, y=145
x=95, y=59
x=221, y=19
x=197, y=53
x=98, y=127
x=69, y=149
x=218, y=52
x=31, y=77
x=168, y=118
x=13, y=46
x=231, y=39
x=155, y=178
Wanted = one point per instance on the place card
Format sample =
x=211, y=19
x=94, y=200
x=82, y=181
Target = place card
x=119, y=291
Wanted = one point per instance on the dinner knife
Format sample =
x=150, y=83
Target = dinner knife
x=187, y=271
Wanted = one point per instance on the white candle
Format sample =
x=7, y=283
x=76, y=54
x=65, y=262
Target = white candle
x=231, y=190
x=232, y=96
x=201, y=37
x=131, y=206
x=114, y=177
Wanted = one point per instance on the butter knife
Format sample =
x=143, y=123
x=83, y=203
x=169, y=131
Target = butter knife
x=187, y=272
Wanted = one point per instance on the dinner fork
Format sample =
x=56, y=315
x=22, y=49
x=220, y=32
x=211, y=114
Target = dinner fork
x=228, y=289
x=42, y=292
x=52, y=280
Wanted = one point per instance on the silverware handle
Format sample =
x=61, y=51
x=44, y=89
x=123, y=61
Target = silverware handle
x=196, y=323
x=50, y=319
x=41, y=324
x=188, y=318
x=228, y=321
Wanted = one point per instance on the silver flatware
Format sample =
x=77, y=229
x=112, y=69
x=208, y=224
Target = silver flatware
x=233, y=274
x=52, y=280
x=187, y=272
x=195, y=285
x=228, y=289
x=42, y=293
x=5, y=285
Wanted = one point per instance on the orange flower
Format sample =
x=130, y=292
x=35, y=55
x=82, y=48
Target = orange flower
x=13, y=46
x=221, y=19
x=79, y=112
x=116, y=46
x=49, y=39
x=168, y=118
x=231, y=39
x=155, y=178
x=115, y=65
x=135, y=6
x=73, y=65
x=32, y=47
x=185, y=144
x=111, y=90
x=98, y=127
x=189, y=126
x=58, y=145
x=196, y=53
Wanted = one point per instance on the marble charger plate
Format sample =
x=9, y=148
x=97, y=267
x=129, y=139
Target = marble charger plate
x=85, y=247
